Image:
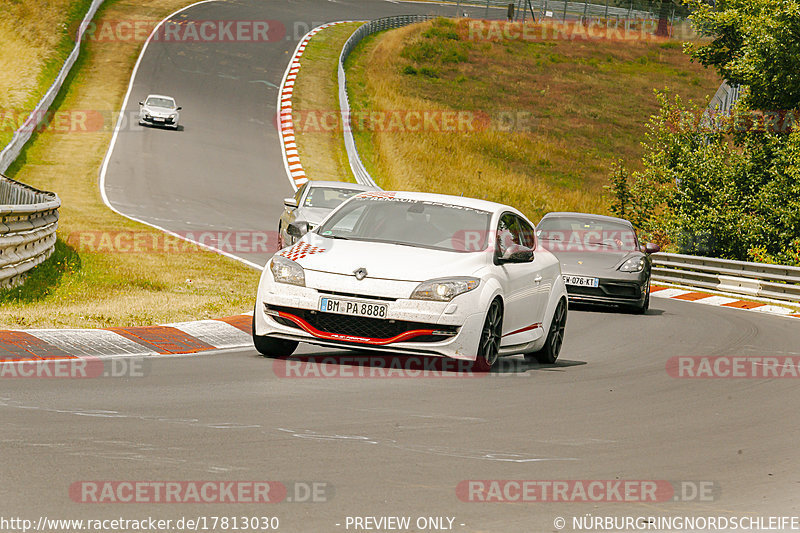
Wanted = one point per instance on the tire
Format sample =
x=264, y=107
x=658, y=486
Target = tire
x=642, y=309
x=489, y=345
x=269, y=347
x=555, y=337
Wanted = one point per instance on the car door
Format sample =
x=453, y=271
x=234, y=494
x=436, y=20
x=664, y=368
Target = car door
x=522, y=283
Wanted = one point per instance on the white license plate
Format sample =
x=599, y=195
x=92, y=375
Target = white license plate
x=158, y=119
x=581, y=281
x=353, y=307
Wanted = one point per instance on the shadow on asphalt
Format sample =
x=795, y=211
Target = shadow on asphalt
x=610, y=309
x=371, y=364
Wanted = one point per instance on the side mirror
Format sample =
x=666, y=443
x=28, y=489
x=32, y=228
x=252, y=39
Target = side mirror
x=141, y=103
x=178, y=108
x=290, y=202
x=651, y=248
x=297, y=229
x=517, y=254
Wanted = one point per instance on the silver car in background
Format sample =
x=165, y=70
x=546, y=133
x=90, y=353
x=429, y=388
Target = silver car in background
x=159, y=110
x=312, y=202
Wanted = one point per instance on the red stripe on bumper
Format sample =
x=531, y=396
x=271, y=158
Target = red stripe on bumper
x=308, y=328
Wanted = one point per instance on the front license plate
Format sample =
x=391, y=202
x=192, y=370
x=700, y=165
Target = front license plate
x=581, y=281
x=352, y=307
x=158, y=119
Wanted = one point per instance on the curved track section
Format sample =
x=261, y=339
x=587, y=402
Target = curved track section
x=223, y=171
x=609, y=410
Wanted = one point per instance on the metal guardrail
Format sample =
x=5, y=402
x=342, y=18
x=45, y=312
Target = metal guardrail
x=584, y=9
x=21, y=136
x=761, y=280
x=28, y=216
x=356, y=165
x=28, y=222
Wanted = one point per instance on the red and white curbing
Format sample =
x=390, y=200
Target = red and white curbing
x=291, y=157
x=168, y=339
x=692, y=295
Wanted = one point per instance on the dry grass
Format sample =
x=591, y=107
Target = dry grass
x=315, y=106
x=588, y=102
x=115, y=289
x=36, y=37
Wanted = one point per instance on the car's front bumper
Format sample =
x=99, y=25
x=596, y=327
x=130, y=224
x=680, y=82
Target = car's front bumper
x=450, y=329
x=628, y=289
x=159, y=121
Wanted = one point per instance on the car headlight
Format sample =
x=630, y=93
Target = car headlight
x=444, y=289
x=172, y=116
x=634, y=264
x=287, y=271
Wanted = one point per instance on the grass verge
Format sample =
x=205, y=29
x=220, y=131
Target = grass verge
x=315, y=106
x=37, y=37
x=107, y=287
x=543, y=118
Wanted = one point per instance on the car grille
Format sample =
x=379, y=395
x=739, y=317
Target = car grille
x=612, y=290
x=358, y=326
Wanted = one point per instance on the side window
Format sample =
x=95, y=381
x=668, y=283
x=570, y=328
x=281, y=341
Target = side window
x=527, y=234
x=507, y=232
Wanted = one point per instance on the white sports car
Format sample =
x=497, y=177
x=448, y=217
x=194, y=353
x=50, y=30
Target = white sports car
x=415, y=273
x=159, y=110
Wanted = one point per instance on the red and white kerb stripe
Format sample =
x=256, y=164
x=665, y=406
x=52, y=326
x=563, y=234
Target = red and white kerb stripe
x=294, y=169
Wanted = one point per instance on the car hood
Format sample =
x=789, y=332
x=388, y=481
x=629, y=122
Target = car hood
x=586, y=262
x=160, y=110
x=381, y=260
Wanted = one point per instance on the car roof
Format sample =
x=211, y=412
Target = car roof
x=567, y=214
x=474, y=203
x=340, y=184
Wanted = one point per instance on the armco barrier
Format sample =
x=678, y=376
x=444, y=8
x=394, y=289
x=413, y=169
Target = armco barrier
x=28, y=222
x=761, y=280
x=21, y=135
x=359, y=172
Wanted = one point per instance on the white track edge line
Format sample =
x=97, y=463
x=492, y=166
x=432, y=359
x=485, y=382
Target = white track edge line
x=107, y=158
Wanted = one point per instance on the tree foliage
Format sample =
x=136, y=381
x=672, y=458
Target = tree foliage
x=727, y=187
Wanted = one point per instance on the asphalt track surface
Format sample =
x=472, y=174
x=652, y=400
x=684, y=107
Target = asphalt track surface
x=222, y=171
x=386, y=447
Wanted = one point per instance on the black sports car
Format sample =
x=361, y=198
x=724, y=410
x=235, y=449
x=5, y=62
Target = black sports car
x=601, y=258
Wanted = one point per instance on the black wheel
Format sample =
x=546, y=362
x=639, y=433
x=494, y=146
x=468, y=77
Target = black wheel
x=555, y=337
x=642, y=309
x=489, y=345
x=270, y=347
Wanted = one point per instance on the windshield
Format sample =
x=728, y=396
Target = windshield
x=328, y=198
x=409, y=222
x=583, y=233
x=161, y=102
